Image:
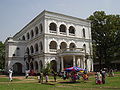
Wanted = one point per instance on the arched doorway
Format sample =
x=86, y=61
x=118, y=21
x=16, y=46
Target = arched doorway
x=17, y=68
x=53, y=64
x=68, y=61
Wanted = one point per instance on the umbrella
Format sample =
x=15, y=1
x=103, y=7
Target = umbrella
x=74, y=69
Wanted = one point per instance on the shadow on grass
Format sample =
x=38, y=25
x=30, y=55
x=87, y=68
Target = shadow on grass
x=48, y=83
x=70, y=82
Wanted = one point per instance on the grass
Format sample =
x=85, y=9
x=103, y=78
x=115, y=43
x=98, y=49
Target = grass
x=112, y=83
x=7, y=79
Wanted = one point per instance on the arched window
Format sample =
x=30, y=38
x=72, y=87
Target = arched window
x=41, y=28
x=23, y=37
x=71, y=30
x=41, y=65
x=36, y=47
x=84, y=47
x=41, y=46
x=62, y=29
x=36, y=31
x=32, y=34
x=63, y=45
x=53, y=46
x=17, y=51
x=36, y=65
x=32, y=49
x=27, y=51
x=53, y=27
x=72, y=45
x=28, y=36
x=83, y=32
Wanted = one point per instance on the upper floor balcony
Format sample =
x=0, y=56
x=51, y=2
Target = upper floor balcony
x=70, y=51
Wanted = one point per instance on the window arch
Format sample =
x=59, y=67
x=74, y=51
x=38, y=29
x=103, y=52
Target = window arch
x=63, y=45
x=17, y=51
x=62, y=28
x=32, y=49
x=23, y=37
x=53, y=27
x=27, y=51
x=36, y=65
x=53, y=46
x=83, y=30
x=41, y=46
x=36, y=47
x=72, y=45
x=41, y=28
x=28, y=36
x=36, y=30
x=32, y=34
x=71, y=30
x=41, y=65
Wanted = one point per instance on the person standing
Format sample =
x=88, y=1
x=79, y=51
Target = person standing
x=46, y=77
x=55, y=75
x=103, y=73
x=27, y=73
x=98, y=78
x=10, y=74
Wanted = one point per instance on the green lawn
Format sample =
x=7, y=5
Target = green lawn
x=112, y=83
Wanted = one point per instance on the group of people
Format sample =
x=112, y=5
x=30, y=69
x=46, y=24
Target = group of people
x=73, y=75
x=100, y=77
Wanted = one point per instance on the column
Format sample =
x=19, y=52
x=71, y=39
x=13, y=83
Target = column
x=74, y=61
x=62, y=67
x=57, y=30
x=78, y=62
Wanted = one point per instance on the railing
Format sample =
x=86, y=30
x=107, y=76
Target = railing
x=53, y=50
x=70, y=50
x=52, y=31
x=71, y=34
x=64, y=33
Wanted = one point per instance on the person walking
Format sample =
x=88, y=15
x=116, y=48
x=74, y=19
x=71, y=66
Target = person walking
x=10, y=74
x=27, y=73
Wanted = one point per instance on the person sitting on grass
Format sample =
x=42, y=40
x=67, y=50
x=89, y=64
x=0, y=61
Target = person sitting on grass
x=85, y=76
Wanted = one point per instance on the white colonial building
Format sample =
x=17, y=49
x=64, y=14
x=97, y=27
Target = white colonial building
x=50, y=37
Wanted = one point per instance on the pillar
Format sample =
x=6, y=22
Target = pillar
x=62, y=65
x=74, y=61
x=78, y=62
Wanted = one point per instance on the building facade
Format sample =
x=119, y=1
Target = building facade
x=61, y=40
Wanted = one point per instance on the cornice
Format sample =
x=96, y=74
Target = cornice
x=68, y=37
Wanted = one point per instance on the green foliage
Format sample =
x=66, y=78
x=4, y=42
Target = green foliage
x=2, y=55
x=47, y=69
x=106, y=36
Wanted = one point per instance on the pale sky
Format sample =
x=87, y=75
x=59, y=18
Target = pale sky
x=15, y=14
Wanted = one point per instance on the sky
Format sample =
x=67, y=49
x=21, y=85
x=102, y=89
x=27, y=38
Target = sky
x=15, y=14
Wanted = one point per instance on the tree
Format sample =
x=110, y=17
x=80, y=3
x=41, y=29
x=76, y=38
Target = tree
x=105, y=34
x=2, y=55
